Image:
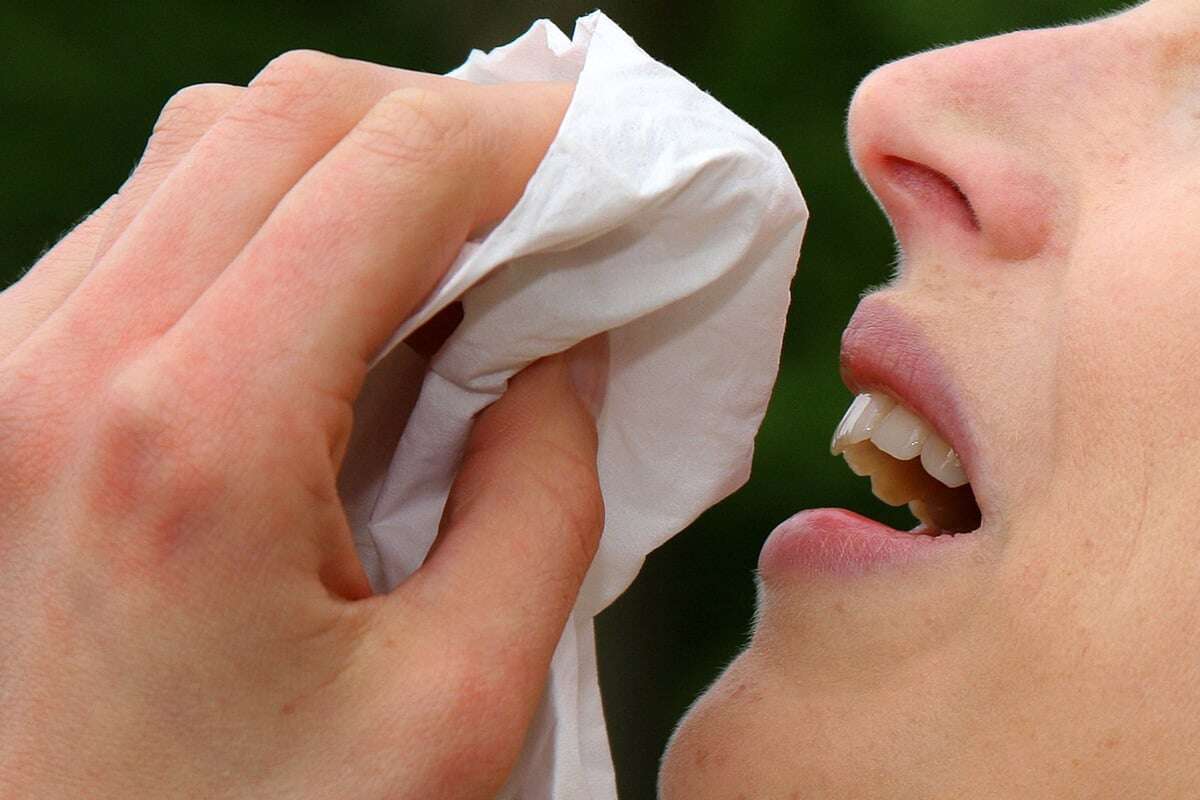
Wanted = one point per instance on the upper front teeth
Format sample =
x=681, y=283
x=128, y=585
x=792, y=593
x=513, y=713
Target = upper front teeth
x=900, y=433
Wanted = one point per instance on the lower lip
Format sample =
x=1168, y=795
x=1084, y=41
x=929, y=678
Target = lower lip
x=833, y=541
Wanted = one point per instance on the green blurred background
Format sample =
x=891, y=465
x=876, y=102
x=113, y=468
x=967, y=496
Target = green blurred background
x=81, y=85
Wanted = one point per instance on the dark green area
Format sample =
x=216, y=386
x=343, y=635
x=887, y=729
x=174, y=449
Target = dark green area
x=82, y=83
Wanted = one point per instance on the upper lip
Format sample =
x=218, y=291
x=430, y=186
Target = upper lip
x=883, y=349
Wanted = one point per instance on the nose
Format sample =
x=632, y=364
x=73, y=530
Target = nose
x=951, y=145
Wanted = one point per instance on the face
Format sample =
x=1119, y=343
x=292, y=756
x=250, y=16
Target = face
x=1045, y=325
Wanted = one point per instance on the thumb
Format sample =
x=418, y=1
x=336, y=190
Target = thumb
x=522, y=522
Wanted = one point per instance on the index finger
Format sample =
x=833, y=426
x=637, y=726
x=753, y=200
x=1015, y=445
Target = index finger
x=364, y=236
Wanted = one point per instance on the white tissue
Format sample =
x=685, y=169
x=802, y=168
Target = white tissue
x=659, y=216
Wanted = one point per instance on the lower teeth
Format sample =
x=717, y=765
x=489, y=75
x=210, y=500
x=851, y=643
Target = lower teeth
x=940, y=508
x=948, y=511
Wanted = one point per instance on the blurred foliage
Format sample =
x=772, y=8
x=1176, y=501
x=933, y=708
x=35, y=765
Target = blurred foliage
x=82, y=85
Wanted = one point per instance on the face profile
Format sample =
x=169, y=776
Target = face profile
x=1027, y=382
x=187, y=582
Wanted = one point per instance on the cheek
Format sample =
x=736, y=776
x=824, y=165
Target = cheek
x=1128, y=373
x=1105, y=562
x=1131, y=289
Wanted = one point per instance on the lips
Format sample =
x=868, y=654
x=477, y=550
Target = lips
x=907, y=462
x=956, y=193
x=883, y=352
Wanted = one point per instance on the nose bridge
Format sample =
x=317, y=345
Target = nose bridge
x=994, y=87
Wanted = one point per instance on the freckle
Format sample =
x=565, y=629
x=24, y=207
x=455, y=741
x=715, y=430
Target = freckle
x=1111, y=742
x=1178, y=58
x=1174, y=54
x=700, y=757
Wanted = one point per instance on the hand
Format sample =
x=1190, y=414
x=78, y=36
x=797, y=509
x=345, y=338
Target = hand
x=182, y=613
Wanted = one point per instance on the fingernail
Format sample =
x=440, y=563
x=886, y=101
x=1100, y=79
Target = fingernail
x=587, y=363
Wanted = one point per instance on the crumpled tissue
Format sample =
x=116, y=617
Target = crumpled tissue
x=659, y=217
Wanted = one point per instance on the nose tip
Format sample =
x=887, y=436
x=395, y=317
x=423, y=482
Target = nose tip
x=947, y=167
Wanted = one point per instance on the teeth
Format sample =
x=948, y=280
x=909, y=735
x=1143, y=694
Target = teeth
x=860, y=420
x=866, y=459
x=899, y=433
x=900, y=483
x=941, y=462
x=882, y=440
x=920, y=509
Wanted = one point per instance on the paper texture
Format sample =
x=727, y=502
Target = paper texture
x=659, y=217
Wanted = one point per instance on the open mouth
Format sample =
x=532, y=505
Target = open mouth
x=908, y=463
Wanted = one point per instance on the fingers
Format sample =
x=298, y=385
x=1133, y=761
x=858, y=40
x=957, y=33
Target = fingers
x=364, y=236
x=186, y=117
x=29, y=301
x=215, y=201
x=520, y=528
x=303, y=227
x=183, y=120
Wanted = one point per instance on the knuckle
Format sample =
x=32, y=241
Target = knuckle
x=468, y=686
x=417, y=127
x=574, y=505
x=474, y=688
x=287, y=89
x=587, y=526
x=192, y=110
x=147, y=445
x=295, y=68
x=585, y=500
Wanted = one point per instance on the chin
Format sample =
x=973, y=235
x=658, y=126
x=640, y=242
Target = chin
x=745, y=739
x=706, y=757
x=740, y=741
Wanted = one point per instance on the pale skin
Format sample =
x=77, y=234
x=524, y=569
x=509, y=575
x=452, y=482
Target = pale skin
x=182, y=613
x=181, y=610
x=1057, y=657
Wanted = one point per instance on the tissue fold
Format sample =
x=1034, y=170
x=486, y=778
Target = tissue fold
x=659, y=217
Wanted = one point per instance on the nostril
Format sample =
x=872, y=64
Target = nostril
x=931, y=189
